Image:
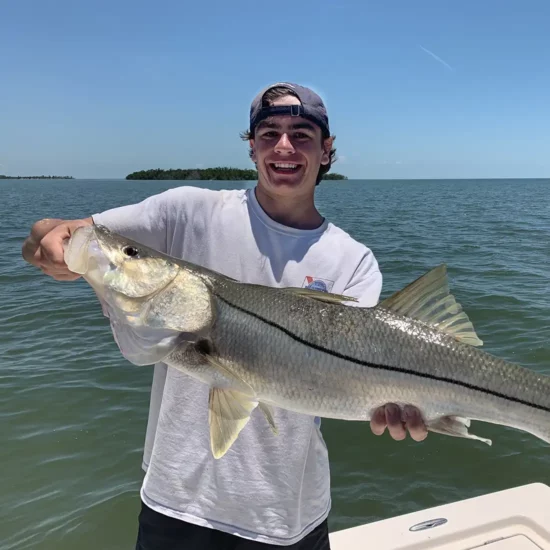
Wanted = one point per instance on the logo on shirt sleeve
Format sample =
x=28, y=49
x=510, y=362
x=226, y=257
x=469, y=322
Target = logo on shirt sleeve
x=314, y=283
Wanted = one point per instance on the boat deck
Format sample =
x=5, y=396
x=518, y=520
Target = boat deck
x=514, y=519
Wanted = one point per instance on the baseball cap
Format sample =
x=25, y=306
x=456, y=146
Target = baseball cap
x=312, y=107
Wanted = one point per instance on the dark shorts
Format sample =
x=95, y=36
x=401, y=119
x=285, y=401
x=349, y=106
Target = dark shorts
x=160, y=532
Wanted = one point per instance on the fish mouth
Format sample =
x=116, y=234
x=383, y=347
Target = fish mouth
x=118, y=269
x=85, y=255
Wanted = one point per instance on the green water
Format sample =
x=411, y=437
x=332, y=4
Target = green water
x=73, y=412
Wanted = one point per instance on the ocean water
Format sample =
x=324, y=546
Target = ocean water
x=73, y=411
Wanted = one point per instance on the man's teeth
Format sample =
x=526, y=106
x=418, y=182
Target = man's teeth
x=285, y=165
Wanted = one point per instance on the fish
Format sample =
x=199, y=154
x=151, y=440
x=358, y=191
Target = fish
x=303, y=350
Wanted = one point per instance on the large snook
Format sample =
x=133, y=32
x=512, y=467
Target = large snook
x=303, y=350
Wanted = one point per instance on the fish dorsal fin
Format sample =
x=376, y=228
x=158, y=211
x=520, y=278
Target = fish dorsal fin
x=320, y=295
x=428, y=300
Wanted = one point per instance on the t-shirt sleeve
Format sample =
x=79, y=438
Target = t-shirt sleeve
x=366, y=283
x=144, y=222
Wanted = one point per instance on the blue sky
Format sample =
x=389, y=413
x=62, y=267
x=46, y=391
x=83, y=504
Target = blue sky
x=423, y=89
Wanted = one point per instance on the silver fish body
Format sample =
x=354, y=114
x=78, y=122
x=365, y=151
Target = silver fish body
x=307, y=351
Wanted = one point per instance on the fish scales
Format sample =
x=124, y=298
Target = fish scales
x=304, y=350
x=382, y=359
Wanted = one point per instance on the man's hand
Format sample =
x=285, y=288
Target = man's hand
x=43, y=248
x=398, y=422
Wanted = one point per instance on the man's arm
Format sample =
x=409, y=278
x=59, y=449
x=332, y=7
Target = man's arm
x=144, y=221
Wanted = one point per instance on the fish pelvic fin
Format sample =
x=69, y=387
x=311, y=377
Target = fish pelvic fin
x=228, y=413
x=455, y=426
x=268, y=413
x=428, y=300
x=319, y=295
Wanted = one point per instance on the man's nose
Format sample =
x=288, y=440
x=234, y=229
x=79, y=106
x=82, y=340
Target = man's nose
x=284, y=146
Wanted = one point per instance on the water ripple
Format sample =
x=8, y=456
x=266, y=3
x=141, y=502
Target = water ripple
x=74, y=412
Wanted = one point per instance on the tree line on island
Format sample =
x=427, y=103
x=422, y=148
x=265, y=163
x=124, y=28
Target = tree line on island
x=3, y=177
x=220, y=173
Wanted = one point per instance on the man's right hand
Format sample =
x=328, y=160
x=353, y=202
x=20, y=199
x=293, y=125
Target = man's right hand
x=43, y=248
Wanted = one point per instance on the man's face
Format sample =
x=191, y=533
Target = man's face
x=288, y=152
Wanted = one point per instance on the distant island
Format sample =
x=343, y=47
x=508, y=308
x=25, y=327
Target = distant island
x=220, y=174
x=2, y=177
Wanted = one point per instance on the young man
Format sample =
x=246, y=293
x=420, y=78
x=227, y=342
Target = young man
x=267, y=491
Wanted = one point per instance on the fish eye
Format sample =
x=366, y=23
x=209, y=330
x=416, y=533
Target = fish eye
x=130, y=251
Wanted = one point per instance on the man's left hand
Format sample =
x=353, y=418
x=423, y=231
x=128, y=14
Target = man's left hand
x=399, y=422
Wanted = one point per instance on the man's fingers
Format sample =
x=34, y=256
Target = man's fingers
x=395, y=423
x=42, y=227
x=399, y=422
x=31, y=249
x=55, y=272
x=66, y=277
x=62, y=276
x=52, y=247
x=378, y=421
x=44, y=247
x=415, y=424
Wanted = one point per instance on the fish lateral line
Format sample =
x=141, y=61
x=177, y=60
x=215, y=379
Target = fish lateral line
x=377, y=366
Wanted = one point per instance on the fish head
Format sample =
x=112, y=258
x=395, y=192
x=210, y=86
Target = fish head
x=139, y=284
x=152, y=301
x=134, y=269
x=110, y=262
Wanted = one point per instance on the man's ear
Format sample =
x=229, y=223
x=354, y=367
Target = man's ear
x=327, y=147
x=253, y=155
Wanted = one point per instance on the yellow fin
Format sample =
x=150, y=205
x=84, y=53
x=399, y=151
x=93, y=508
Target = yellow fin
x=428, y=300
x=320, y=295
x=268, y=412
x=228, y=413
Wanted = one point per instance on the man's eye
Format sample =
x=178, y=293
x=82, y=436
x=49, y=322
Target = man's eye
x=271, y=134
x=301, y=135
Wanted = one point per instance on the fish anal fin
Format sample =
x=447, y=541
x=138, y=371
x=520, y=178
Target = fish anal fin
x=319, y=295
x=268, y=412
x=228, y=413
x=427, y=299
x=455, y=426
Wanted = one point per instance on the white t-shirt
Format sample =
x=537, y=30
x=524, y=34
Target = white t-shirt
x=273, y=489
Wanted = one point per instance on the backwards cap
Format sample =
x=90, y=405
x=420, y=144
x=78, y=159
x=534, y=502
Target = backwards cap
x=312, y=107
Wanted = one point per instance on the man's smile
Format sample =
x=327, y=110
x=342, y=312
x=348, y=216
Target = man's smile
x=285, y=167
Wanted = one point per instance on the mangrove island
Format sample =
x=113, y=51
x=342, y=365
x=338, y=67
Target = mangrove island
x=3, y=177
x=220, y=174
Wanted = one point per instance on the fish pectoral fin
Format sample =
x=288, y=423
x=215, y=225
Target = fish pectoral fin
x=455, y=426
x=228, y=413
x=268, y=412
x=215, y=362
x=319, y=295
x=428, y=300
